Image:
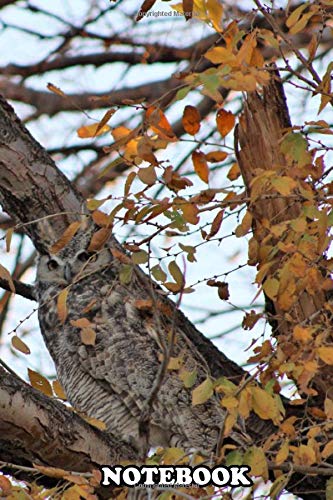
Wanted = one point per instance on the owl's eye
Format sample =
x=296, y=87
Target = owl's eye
x=52, y=264
x=84, y=256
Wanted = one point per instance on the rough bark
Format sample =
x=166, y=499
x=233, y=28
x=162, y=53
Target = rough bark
x=260, y=132
x=37, y=429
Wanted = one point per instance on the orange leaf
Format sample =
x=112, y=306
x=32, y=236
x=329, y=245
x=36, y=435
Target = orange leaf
x=234, y=172
x=62, y=305
x=66, y=237
x=200, y=165
x=55, y=90
x=216, y=156
x=191, y=120
x=159, y=123
x=326, y=354
x=225, y=121
x=92, y=130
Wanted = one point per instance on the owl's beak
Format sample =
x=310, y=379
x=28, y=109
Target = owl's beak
x=68, y=273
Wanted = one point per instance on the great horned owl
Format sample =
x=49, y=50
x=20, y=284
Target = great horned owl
x=113, y=379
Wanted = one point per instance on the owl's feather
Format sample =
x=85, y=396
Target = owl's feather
x=113, y=379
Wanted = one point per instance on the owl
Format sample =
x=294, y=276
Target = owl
x=112, y=377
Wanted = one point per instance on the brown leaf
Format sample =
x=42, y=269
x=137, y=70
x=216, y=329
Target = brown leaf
x=105, y=119
x=200, y=165
x=216, y=224
x=100, y=218
x=39, y=382
x=145, y=7
x=9, y=235
x=147, y=175
x=191, y=120
x=62, y=305
x=99, y=239
x=190, y=213
x=66, y=237
x=225, y=121
x=188, y=9
x=5, y=274
x=143, y=304
x=122, y=257
x=19, y=345
x=88, y=336
x=223, y=291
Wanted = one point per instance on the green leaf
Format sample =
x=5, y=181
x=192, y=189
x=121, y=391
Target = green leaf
x=125, y=274
x=140, y=257
x=203, y=392
x=158, y=273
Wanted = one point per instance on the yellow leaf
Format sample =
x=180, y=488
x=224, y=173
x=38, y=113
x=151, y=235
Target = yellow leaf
x=39, y=382
x=225, y=121
x=200, y=165
x=244, y=226
x=5, y=274
x=95, y=422
x=278, y=486
x=66, y=237
x=55, y=90
x=176, y=273
x=271, y=287
x=284, y=185
x=302, y=334
x=295, y=15
x=304, y=455
x=326, y=354
x=191, y=120
x=58, y=390
x=18, y=344
x=202, y=392
x=229, y=402
x=283, y=453
x=92, y=130
x=255, y=458
x=329, y=408
x=328, y=450
x=187, y=377
x=62, y=305
x=175, y=363
x=265, y=405
x=214, y=11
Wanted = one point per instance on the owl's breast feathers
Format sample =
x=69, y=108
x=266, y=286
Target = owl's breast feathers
x=110, y=373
